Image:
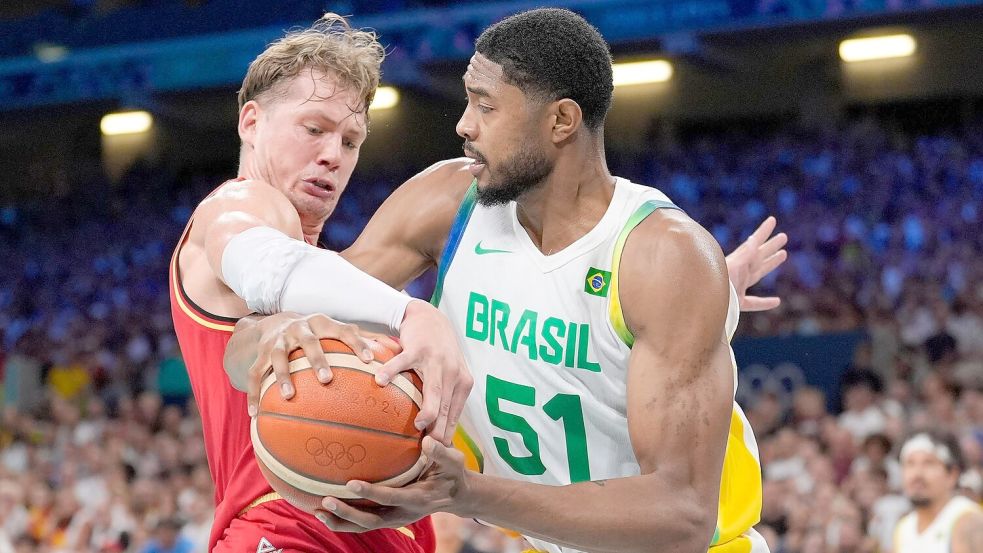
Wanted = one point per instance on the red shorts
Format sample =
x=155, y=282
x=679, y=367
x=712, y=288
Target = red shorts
x=276, y=527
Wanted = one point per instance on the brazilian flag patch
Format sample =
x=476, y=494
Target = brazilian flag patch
x=597, y=282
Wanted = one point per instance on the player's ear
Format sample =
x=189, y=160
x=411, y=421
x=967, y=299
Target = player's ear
x=567, y=119
x=248, y=119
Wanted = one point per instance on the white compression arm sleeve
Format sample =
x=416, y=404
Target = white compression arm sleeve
x=275, y=273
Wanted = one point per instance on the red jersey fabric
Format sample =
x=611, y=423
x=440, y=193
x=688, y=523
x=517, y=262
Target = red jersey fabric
x=203, y=338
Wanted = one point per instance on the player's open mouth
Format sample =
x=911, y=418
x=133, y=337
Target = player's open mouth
x=476, y=168
x=319, y=187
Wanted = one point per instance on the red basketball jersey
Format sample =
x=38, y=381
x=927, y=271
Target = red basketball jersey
x=203, y=338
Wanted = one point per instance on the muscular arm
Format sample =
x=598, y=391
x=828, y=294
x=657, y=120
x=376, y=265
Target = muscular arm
x=967, y=537
x=406, y=235
x=237, y=207
x=247, y=245
x=680, y=390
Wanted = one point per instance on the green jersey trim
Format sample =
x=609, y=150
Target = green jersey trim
x=617, y=316
x=454, y=239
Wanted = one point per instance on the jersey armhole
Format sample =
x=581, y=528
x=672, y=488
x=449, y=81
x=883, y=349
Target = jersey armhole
x=454, y=239
x=616, y=315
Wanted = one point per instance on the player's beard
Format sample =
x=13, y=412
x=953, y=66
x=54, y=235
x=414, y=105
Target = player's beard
x=515, y=176
x=920, y=501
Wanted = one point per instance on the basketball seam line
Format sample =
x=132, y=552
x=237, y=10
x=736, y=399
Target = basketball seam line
x=316, y=487
x=303, y=364
x=335, y=423
x=356, y=369
x=320, y=478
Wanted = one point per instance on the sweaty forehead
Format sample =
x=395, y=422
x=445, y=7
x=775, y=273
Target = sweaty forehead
x=482, y=71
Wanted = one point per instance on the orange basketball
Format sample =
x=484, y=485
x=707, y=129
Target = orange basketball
x=309, y=446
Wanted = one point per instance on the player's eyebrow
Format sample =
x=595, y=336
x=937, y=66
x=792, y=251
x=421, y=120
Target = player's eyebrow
x=478, y=91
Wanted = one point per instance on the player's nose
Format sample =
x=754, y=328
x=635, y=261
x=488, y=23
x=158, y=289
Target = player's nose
x=330, y=153
x=466, y=126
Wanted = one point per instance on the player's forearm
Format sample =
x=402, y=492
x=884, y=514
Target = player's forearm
x=273, y=272
x=640, y=513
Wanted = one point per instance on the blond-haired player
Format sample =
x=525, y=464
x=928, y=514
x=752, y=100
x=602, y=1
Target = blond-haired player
x=251, y=247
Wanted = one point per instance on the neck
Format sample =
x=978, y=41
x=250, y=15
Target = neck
x=926, y=515
x=311, y=232
x=573, y=198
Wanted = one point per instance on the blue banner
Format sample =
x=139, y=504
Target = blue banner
x=781, y=365
x=134, y=71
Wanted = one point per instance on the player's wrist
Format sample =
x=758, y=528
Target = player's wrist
x=468, y=500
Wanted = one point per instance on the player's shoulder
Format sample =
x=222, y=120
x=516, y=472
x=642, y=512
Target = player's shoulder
x=671, y=236
x=967, y=534
x=665, y=254
x=242, y=191
x=449, y=178
x=236, y=200
x=971, y=520
x=248, y=195
x=438, y=190
x=449, y=170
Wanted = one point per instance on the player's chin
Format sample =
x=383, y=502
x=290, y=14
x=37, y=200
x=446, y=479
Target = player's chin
x=318, y=208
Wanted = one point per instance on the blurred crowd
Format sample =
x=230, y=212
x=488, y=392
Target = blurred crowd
x=100, y=444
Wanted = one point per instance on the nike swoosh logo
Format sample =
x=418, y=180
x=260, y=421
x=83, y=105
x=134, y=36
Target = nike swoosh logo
x=482, y=251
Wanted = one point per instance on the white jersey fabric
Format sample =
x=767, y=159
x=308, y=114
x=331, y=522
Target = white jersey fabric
x=937, y=537
x=545, y=339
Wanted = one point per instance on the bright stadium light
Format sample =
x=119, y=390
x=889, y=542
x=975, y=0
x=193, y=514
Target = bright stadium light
x=127, y=122
x=386, y=97
x=49, y=52
x=642, y=72
x=877, y=48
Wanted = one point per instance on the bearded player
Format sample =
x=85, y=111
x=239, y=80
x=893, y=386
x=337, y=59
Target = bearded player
x=595, y=316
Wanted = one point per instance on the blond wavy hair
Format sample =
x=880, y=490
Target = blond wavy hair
x=330, y=45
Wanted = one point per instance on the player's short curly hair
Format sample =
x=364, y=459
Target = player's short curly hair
x=552, y=54
x=331, y=45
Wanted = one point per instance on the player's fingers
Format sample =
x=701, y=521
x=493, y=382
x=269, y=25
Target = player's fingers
x=461, y=392
x=256, y=372
x=773, y=244
x=763, y=231
x=386, y=342
x=755, y=303
x=281, y=369
x=433, y=392
x=439, y=427
x=336, y=523
x=400, y=363
x=314, y=354
x=348, y=334
x=383, y=495
x=440, y=454
x=768, y=265
x=362, y=347
x=344, y=511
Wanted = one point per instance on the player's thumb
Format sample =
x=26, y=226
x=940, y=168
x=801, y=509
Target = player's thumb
x=391, y=368
x=438, y=453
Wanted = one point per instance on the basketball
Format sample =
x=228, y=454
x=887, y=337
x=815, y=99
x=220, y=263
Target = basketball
x=311, y=445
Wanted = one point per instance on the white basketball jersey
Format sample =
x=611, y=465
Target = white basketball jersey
x=937, y=537
x=546, y=341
